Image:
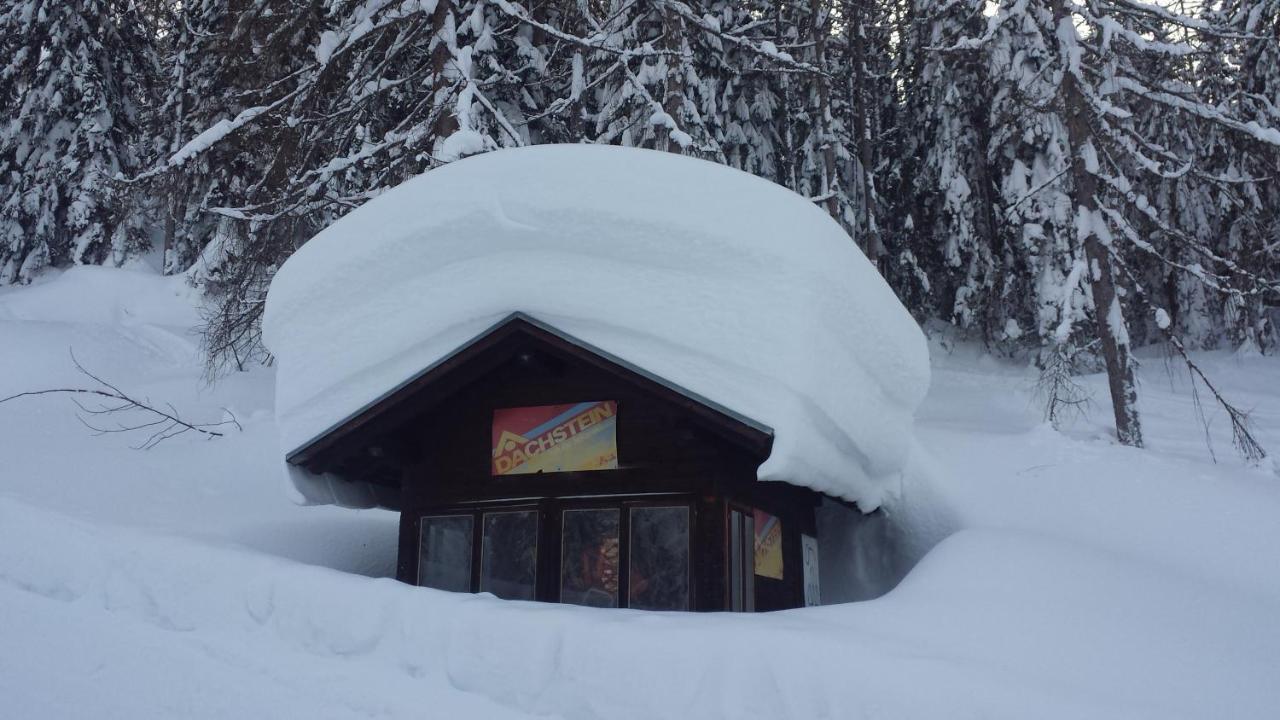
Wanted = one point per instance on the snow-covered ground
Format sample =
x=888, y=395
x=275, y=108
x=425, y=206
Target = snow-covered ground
x=1067, y=577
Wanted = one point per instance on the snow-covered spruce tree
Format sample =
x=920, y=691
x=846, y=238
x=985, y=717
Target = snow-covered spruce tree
x=865, y=104
x=1195, y=200
x=207, y=76
x=1039, y=296
x=648, y=100
x=215, y=177
x=370, y=93
x=1246, y=170
x=75, y=81
x=1102, y=60
x=944, y=177
x=337, y=107
x=749, y=99
x=981, y=188
x=691, y=77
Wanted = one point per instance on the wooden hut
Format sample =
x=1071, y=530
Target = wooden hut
x=536, y=456
x=534, y=466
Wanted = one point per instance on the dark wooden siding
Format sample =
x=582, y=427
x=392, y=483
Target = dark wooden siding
x=436, y=442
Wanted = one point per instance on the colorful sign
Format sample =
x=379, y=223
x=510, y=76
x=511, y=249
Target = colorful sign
x=555, y=438
x=768, y=545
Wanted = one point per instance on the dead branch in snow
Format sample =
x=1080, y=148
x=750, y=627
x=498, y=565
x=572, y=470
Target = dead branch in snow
x=1057, y=388
x=161, y=424
x=1241, y=436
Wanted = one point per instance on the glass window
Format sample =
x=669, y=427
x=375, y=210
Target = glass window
x=444, y=557
x=589, y=557
x=509, y=554
x=659, y=557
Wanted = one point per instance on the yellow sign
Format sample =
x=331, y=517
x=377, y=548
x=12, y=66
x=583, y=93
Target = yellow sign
x=768, y=545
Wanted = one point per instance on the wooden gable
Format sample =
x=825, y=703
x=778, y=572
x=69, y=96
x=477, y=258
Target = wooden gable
x=437, y=422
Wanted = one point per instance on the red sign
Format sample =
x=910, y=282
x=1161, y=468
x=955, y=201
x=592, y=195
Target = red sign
x=555, y=438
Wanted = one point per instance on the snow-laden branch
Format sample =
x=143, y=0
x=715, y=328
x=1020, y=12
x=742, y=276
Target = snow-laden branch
x=763, y=49
x=336, y=42
x=210, y=137
x=994, y=23
x=518, y=12
x=218, y=131
x=1110, y=28
x=1168, y=17
x=332, y=44
x=1213, y=281
x=1204, y=111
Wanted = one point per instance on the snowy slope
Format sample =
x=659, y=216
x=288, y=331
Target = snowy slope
x=135, y=328
x=1077, y=578
x=727, y=285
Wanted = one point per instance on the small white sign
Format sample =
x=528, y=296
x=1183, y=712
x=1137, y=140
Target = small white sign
x=809, y=550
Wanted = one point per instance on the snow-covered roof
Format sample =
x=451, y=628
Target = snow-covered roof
x=720, y=282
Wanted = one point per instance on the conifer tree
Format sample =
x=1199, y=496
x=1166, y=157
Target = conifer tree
x=945, y=170
x=1103, y=61
x=958, y=150
x=76, y=83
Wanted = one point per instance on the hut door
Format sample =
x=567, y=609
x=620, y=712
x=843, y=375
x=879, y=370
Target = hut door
x=742, y=560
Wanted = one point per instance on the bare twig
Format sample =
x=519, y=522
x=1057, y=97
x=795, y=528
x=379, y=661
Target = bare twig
x=1241, y=436
x=161, y=424
x=1057, y=388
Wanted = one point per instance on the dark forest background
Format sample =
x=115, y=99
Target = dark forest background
x=1059, y=180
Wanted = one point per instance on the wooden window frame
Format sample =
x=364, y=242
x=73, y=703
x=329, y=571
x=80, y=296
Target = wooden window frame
x=429, y=515
x=690, y=509
x=550, y=517
x=477, y=534
x=748, y=580
x=624, y=526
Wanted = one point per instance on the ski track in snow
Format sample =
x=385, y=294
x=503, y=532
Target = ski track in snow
x=1071, y=578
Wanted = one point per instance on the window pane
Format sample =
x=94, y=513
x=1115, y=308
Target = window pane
x=659, y=554
x=444, y=558
x=509, y=552
x=589, y=557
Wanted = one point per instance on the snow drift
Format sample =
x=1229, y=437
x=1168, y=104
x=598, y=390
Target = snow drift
x=725, y=284
x=1080, y=578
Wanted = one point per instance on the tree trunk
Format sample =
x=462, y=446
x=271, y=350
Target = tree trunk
x=826, y=142
x=1109, y=319
x=786, y=165
x=673, y=84
x=857, y=36
x=172, y=207
x=446, y=122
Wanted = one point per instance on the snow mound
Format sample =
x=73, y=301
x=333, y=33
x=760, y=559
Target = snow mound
x=993, y=624
x=96, y=295
x=723, y=283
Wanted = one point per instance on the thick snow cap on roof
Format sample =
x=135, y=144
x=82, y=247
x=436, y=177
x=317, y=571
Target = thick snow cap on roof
x=722, y=283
